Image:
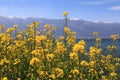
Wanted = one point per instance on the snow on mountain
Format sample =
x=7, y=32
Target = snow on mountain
x=83, y=28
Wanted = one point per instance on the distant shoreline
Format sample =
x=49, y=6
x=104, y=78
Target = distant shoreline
x=93, y=38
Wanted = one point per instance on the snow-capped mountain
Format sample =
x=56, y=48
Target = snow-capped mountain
x=83, y=28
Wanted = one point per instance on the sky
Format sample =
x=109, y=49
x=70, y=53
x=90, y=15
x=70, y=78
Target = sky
x=91, y=10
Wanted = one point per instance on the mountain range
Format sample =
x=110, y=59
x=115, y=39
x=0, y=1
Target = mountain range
x=83, y=28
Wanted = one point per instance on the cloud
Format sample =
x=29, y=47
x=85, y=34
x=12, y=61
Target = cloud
x=114, y=8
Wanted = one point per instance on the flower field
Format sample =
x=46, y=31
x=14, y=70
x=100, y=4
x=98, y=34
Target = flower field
x=32, y=55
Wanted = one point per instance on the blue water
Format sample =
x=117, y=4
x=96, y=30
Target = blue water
x=104, y=44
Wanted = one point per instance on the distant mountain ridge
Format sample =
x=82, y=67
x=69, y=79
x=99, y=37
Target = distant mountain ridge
x=83, y=28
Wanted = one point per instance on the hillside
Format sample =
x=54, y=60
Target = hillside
x=83, y=28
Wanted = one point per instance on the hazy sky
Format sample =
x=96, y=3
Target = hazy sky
x=93, y=10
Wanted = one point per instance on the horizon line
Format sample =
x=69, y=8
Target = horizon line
x=71, y=19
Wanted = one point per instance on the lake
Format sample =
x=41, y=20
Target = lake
x=104, y=44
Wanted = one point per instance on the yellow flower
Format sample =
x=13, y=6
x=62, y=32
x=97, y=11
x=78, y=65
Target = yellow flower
x=18, y=78
x=34, y=61
x=104, y=78
x=5, y=78
x=101, y=71
x=57, y=73
x=114, y=47
x=71, y=40
x=35, y=52
x=60, y=47
x=1, y=62
x=98, y=39
x=47, y=26
x=108, y=57
x=73, y=33
x=60, y=72
x=109, y=47
x=53, y=27
x=73, y=56
x=92, y=63
x=84, y=63
x=50, y=57
x=114, y=37
x=67, y=30
x=49, y=44
x=113, y=74
x=15, y=27
x=6, y=61
x=19, y=43
x=1, y=26
x=16, y=61
x=65, y=13
x=82, y=42
x=79, y=47
x=98, y=51
x=95, y=33
x=94, y=50
x=48, y=33
x=42, y=73
x=40, y=38
x=70, y=76
x=52, y=76
x=37, y=24
x=75, y=72
x=9, y=30
x=61, y=37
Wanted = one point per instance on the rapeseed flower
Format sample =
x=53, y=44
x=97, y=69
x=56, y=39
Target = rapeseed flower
x=57, y=73
x=67, y=30
x=113, y=74
x=33, y=55
x=84, y=63
x=9, y=30
x=50, y=57
x=73, y=56
x=79, y=47
x=5, y=78
x=40, y=38
x=114, y=37
x=95, y=33
x=35, y=52
x=75, y=72
x=1, y=62
x=60, y=47
x=46, y=26
x=98, y=39
x=34, y=61
x=65, y=13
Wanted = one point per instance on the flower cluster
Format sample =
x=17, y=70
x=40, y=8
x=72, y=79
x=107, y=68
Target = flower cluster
x=33, y=55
